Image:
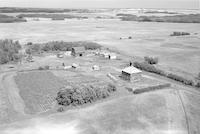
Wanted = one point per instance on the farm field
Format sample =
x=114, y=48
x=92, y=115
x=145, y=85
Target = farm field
x=38, y=90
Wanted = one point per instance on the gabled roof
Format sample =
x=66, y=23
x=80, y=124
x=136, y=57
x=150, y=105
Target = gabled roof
x=79, y=49
x=131, y=70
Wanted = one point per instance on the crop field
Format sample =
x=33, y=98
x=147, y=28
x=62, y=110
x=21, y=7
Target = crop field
x=38, y=90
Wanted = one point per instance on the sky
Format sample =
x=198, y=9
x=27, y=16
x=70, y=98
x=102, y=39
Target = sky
x=182, y=4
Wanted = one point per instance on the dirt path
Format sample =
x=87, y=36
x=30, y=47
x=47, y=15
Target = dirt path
x=9, y=86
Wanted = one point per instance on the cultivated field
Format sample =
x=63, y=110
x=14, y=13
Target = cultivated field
x=38, y=90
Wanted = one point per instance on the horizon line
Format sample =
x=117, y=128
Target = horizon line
x=102, y=8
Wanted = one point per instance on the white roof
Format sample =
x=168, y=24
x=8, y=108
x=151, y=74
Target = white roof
x=131, y=70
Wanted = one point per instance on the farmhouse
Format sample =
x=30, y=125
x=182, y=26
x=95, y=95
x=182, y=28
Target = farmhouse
x=131, y=73
x=78, y=51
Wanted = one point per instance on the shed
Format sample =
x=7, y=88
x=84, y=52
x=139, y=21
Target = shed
x=68, y=53
x=112, y=57
x=106, y=55
x=74, y=65
x=67, y=67
x=60, y=55
x=96, y=68
x=78, y=51
x=131, y=73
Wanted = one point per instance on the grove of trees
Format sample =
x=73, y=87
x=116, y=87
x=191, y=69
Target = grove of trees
x=9, y=51
x=60, y=46
x=83, y=94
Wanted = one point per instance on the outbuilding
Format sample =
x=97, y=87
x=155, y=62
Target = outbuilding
x=96, y=68
x=131, y=73
x=78, y=51
x=68, y=53
x=74, y=65
x=112, y=56
x=106, y=55
x=60, y=55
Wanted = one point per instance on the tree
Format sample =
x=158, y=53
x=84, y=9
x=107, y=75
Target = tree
x=199, y=75
x=151, y=60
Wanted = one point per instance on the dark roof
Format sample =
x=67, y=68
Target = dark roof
x=79, y=49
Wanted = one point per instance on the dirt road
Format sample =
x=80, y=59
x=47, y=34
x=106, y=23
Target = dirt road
x=12, y=92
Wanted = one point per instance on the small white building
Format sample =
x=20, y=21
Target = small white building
x=74, y=65
x=96, y=68
x=68, y=53
x=106, y=55
x=131, y=73
x=67, y=67
x=60, y=55
x=112, y=57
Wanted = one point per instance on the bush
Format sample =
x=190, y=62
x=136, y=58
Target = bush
x=60, y=109
x=149, y=68
x=40, y=68
x=111, y=88
x=197, y=85
x=198, y=76
x=44, y=68
x=151, y=60
x=82, y=95
x=180, y=79
x=179, y=34
x=151, y=88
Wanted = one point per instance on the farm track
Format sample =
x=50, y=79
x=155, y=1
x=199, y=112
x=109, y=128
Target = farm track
x=184, y=110
x=12, y=91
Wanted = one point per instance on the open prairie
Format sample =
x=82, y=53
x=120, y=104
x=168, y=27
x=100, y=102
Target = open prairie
x=176, y=54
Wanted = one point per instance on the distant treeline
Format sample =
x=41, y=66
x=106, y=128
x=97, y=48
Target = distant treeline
x=190, y=18
x=160, y=12
x=9, y=51
x=59, y=46
x=10, y=19
x=52, y=16
x=179, y=34
x=32, y=10
x=42, y=10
